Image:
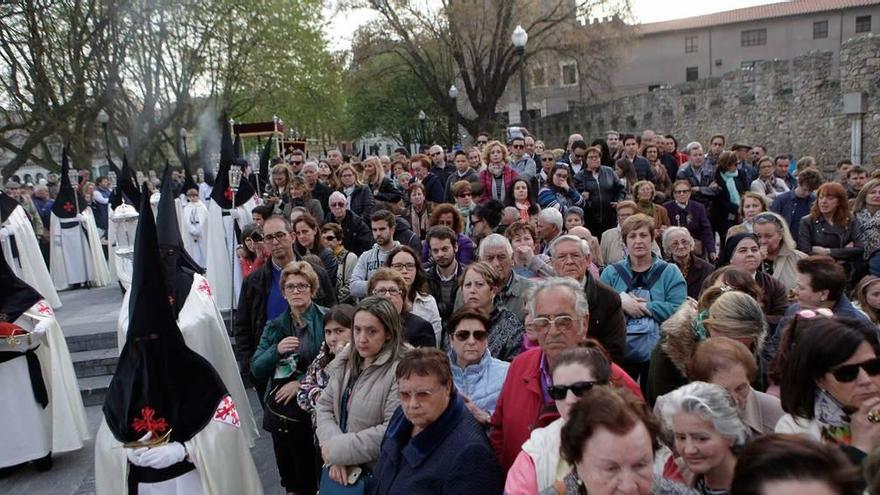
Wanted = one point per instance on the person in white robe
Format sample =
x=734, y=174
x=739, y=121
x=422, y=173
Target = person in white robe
x=194, y=223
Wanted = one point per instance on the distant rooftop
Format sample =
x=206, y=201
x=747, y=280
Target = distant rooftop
x=760, y=12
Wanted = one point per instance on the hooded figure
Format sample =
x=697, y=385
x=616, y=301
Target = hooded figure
x=198, y=318
x=22, y=251
x=75, y=255
x=224, y=227
x=40, y=402
x=170, y=426
x=124, y=201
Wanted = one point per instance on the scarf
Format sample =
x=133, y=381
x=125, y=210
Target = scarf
x=833, y=420
x=700, y=332
x=419, y=220
x=523, y=210
x=731, y=186
x=647, y=208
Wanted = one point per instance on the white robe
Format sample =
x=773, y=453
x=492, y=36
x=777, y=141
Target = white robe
x=194, y=224
x=224, y=464
x=75, y=254
x=203, y=331
x=223, y=269
x=31, y=432
x=30, y=265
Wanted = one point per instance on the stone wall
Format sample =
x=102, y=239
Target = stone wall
x=791, y=106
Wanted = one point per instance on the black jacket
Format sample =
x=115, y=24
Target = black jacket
x=327, y=258
x=361, y=202
x=357, y=236
x=434, y=286
x=387, y=192
x=604, y=190
x=607, y=321
x=417, y=332
x=322, y=194
x=404, y=234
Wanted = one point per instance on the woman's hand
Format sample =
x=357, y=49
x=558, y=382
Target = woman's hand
x=339, y=474
x=523, y=255
x=325, y=453
x=287, y=392
x=480, y=415
x=865, y=434
x=288, y=344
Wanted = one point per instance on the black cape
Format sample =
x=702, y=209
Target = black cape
x=16, y=296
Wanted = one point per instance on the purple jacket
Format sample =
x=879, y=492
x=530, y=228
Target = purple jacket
x=695, y=219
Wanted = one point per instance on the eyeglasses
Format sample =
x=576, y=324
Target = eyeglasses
x=437, y=153
x=517, y=146
x=337, y=205
x=389, y=291
x=579, y=157
x=547, y=159
x=275, y=237
x=297, y=287
x=296, y=163
x=403, y=266
x=464, y=335
x=559, y=392
x=419, y=395
x=849, y=372
x=479, y=141
x=563, y=323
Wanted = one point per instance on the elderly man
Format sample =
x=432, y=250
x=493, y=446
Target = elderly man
x=439, y=167
x=497, y=251
x=319, y=191
x=560, y=318
x=570, y=257
x=356, y=234
x=549, y=226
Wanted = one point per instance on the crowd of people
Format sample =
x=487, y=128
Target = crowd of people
x=628, y=316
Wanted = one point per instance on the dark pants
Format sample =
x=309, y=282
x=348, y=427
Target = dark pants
x=295, y=454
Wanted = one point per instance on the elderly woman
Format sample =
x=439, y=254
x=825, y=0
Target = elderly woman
x=526, y=263
x=538, y=466
x=602, y=189
x=830, y=228
x=708, y=431
x=480, y=283
x=683, y=212
x=478, y=376
x=730, y=364
x=830, y=382
x=301, y=196
x=361, y=395
x=866, y=208
x=432, y=444
x=643, y=193
x=389, y=283
x=360, y=198
x=679, y=248
x=405, y=261
x=448, y=215
x=722, y=311
x=609, y=440
x=743, y=252
x=767, y=184
x=778, y=249
x=288, y=346
x=750, y=206
x=560, y=192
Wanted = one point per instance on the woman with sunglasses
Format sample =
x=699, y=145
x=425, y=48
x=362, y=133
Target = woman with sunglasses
x=539, y=466
x=332, y=237
x=830, y=382
x=477, y=375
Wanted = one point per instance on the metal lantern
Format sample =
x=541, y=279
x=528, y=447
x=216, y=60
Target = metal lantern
x=111, y=175
x=234, y=177
x=73, y=175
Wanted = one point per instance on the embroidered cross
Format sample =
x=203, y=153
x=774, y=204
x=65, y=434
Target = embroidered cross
x=226, y=412
x=155, y=426
x=44, y=308
x=204, y=287
x=68, y=207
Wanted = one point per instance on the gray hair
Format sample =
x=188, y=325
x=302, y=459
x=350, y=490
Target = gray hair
x=581, y=306
x=337, y=195
x=584, y=245
x=677, y=230
x=309, y=163
x=693, y=145
x=770, y=217
x=495, y=240
x=40, y=187
x=552, y=215
x=712, y=403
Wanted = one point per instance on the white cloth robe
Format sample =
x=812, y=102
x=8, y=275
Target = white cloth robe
x=30, y=265
x=204, y=332
x=71, y=248
x=31, y=432
x=193, y=223
x=223, y=268
x=220, y=453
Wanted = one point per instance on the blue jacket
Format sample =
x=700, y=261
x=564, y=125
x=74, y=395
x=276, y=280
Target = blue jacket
x=451, y=456
x=433, y=188
x=480, y=382
x=667, y=293
x=792, y=208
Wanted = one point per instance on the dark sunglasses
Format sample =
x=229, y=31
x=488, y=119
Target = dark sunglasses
x=330, y=238
x=558, y=392
x=256, y=238
x=482, y=142
x=850, y=372
x=463, y=335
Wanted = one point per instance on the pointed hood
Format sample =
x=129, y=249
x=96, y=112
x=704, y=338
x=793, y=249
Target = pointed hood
x=188, y=182
x=238, y=147
x=160, y=384
x=7, y=205
x=16, y=296
x=66, y=202
x=115, y=194
x=221, y=193
x=126, y=189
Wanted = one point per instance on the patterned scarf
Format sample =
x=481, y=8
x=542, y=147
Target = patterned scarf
x=833, y=420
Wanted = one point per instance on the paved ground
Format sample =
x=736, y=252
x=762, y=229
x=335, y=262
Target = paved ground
x=95, y=311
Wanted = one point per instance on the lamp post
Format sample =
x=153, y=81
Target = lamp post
x=424, y=136
x=453, y=125
x=519, y=39
x=104, y=119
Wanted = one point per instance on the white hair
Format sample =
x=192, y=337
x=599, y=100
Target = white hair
x=337, y=195
x=552, y=216
x=710, y=402
x=495, y=240
x=584, y=245
x=676, y=230
x=581, y=306
x=310, y=163
x=693, y=145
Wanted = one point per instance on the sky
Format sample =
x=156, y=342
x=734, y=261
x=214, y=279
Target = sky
x=342, y=26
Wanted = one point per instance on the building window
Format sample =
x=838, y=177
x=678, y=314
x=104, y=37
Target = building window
x=820, y=30
x=569, y=74
x=539, y=77
x=754, y=37
x=692, y=74
x=863, y=24
x=690, y=44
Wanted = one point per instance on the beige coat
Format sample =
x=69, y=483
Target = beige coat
x=373, y=400
x=785, y=266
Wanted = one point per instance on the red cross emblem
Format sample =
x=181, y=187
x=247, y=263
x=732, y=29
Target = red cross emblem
x=204, y=287
x=44, y=308
x=228, y=194
x=226, y=412
x=68, y=207
x=147, y=423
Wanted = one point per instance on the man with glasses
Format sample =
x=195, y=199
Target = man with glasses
x=692, y=215
x=463, y=171
x=296, y=159
x=576, y=157
x=482, y=140
x=439, y=168
x=261, y=298
x=519, y=161
x=560, y=319
x=356, y=236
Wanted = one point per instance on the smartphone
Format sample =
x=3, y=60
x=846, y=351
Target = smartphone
x=354, y=473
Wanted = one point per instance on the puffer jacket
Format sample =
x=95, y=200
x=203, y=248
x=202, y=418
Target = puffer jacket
x=480, y=382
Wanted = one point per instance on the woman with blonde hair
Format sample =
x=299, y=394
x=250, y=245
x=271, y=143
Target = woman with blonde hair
x=866, y=208
x=380, y=185
x=866, y=297
x=778, y=248
x=359, y=197
x=498, y=176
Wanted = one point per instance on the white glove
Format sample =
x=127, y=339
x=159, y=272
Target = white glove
x=4, y=232
x=39, y=331
x=235, y=214
x=157, y=457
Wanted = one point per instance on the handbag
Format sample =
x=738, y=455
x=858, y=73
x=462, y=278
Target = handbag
x=330, y=487
x=282, y=418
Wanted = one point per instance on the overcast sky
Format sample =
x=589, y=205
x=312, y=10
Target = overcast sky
x=341, y=27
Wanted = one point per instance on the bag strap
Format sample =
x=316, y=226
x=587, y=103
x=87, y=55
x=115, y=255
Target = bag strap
x=652, y=279
x=621, y=271
x=649, y=282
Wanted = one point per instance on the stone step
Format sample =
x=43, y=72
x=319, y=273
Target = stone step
x=95, y=362
x=91, y=342
x=94, y=389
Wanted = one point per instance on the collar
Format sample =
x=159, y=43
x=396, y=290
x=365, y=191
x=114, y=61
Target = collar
x=454, y=273
x=682, y=206
x=415, y=450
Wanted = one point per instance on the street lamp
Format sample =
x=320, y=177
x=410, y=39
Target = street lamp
x=422, y=118
x=104, y=119
x=519, y=39
x=453, y=94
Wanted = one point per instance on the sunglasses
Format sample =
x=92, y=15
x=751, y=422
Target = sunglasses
x=558, y=392
x=337, y=205
x=482, y=142
x=463, y=335
x=849, y=372
x=547, y=159
x=330, y=238
x=256, y=238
